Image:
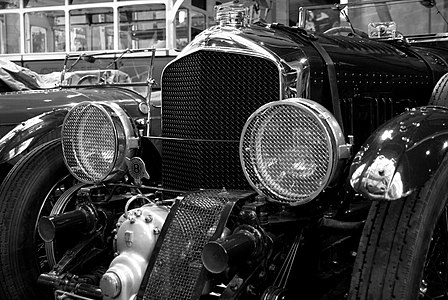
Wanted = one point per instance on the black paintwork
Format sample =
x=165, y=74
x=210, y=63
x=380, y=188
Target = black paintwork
x=41, y=113
x=414, y=142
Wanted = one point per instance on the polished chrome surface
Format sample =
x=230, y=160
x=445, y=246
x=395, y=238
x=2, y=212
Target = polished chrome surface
x=234, y=13
x=290, y=150
x=137, y=233
x=291, y=60
x=96, y=139
x=380, y=180
x=402, y=155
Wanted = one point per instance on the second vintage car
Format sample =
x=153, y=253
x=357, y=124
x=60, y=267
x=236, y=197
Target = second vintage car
x=33, y=106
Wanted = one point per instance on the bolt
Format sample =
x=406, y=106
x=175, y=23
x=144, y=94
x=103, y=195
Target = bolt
x=148, y=219
x=156, y=231
x=250, y=289
x=233, y=286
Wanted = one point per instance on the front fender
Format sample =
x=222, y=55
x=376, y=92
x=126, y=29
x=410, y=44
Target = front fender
x=401, y=155
x=29, y=133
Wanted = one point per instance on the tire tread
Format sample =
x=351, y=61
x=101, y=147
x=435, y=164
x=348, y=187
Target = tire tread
x=31, y=171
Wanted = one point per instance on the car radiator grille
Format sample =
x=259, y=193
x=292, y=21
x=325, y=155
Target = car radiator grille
x=207, y=97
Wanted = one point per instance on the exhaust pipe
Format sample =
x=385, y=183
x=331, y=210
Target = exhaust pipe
x=49, y=226
x=243, y=244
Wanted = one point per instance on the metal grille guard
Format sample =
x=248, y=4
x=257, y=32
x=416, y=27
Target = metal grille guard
x=175, y=270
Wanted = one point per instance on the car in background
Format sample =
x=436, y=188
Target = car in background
x=33, y=106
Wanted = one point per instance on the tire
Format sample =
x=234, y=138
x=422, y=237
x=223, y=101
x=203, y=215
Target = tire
x=397, y=255
x=439, y=94
x=25, y=195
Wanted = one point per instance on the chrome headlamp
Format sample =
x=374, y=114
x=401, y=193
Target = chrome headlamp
x=96, y=139
x=291, y=150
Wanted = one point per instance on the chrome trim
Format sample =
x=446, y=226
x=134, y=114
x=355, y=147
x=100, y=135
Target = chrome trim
x=298, y=79
x=294, y=75
x=233, y=13
x=380, y=180
x=336, y=146
x=402, y=155
x=126, y=138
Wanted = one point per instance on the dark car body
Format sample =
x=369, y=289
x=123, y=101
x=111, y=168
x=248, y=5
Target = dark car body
x=31, y=118
x=375, y=81
x=32, y=111
x=252, y=180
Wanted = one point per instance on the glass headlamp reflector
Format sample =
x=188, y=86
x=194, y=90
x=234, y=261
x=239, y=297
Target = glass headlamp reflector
x=289, y=150
x=95, y=141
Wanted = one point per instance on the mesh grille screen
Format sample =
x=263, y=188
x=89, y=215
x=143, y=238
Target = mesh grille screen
x=178, y=264
x=89, y=142
x=288, y=153
x=207, y=98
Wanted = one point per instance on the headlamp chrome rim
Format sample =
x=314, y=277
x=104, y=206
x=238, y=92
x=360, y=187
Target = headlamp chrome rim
x=119, y=134
x=251, y=159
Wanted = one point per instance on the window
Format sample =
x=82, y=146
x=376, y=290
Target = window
x=88, y=1
x=44, y=32
x=91, y=29
x=184, y=32
x=9, y=4
x=60, y=26
x=9, y=31
x=42, y=3
x=182, y=24
x=142, y=26
x=198, y=23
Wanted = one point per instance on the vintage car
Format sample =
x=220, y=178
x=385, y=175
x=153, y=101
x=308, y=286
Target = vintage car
x=30, y=117
x=283, y=164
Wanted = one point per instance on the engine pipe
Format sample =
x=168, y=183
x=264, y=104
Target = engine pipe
x=70, y=284
x=49, y=225
x=243, y=244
